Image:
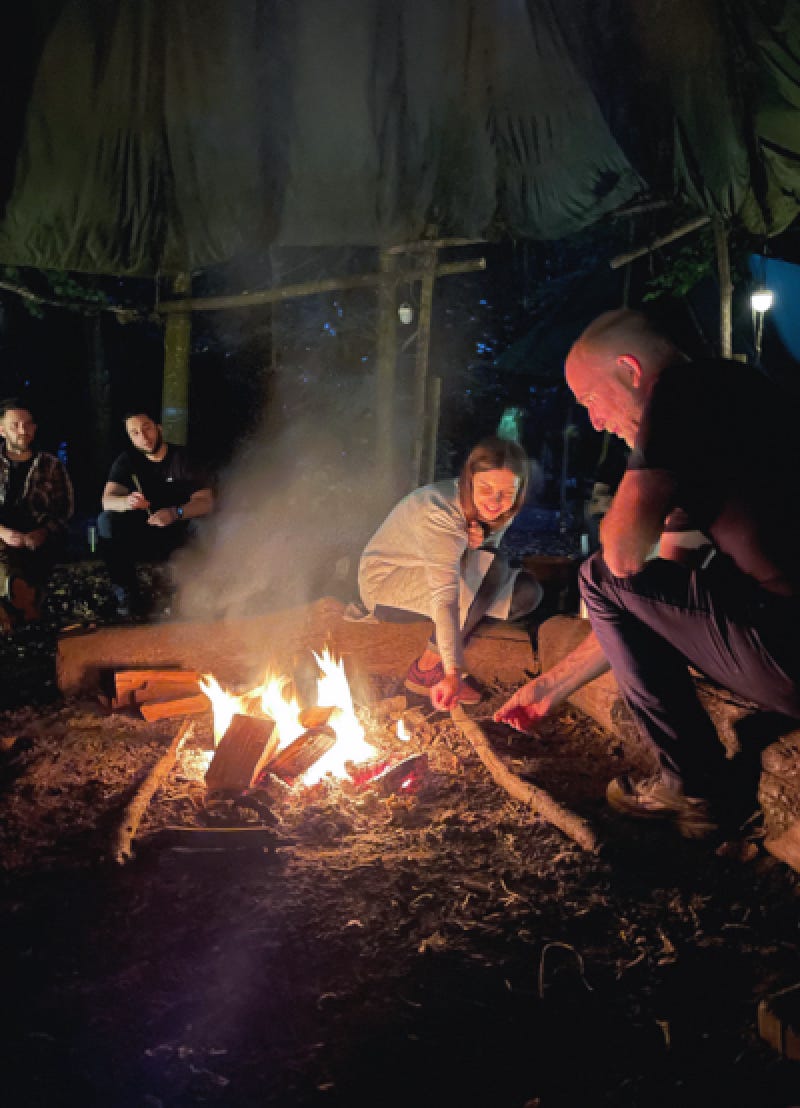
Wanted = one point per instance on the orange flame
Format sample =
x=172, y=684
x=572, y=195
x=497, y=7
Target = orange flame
x=270, y=699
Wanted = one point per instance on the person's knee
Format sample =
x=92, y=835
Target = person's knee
x=526, y=596
x=591, y=575
x=107, y=524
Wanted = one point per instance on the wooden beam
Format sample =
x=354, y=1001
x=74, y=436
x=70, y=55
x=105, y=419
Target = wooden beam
x=175, y=388
x=424, y=245
x=686, y=229
x=311, y=288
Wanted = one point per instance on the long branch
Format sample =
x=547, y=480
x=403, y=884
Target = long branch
x=137, y=806
x=571, y=824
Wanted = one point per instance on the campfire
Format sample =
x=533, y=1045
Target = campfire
x=293, y=743
x=263, y=738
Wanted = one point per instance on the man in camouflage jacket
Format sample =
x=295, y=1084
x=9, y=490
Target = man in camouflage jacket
x=36, y=502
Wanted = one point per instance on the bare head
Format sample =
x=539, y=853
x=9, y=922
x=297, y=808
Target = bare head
x=611, y=369
x=17, y=428
x=494, y=481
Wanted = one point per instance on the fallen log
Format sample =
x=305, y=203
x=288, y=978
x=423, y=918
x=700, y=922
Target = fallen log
x=243, y=751
x=125, y=832
x=169, y=709
x=537, y=798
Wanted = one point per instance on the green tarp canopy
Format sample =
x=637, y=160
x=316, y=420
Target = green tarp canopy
x=152, y=136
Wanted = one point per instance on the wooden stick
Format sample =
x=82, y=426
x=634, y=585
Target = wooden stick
x=137, y=806
x=140, y=491
x=539, y=799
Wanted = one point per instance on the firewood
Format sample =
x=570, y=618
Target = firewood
x=127, y=680
x=243, y=751
x=299, y=756
x=125, y=831
x=315, y=716
x=394, y=777
x=162, y=690
x=168, y=709
x=166, y=684
x=539, y=799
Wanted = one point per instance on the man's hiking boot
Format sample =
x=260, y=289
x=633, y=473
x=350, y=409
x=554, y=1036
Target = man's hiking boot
x=652, y=799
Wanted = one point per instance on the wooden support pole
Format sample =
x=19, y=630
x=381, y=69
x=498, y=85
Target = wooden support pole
x=313, y=288
x=385, y=375
x=725, y=289
x=545, y=806
x=420, y=392
x=175, y=388
x=431, y=429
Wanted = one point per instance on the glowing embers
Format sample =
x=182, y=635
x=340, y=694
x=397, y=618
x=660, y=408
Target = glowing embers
x=302, y=744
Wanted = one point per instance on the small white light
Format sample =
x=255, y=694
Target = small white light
x=761, y=300
x=405, y=313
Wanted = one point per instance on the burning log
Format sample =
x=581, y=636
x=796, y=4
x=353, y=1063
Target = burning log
x=545, y=805
x=299, y=756
x=401, y=775
x=125, y=832
x=315, y=716
x=169, y=709
x=244, y=750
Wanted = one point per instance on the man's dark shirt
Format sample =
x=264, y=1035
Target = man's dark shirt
x=730, y=439
x=167, y=483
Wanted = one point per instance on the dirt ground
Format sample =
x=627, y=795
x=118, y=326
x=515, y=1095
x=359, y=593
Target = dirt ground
x=441, y=947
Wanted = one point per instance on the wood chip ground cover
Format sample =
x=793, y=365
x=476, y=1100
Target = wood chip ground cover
x=439, y=948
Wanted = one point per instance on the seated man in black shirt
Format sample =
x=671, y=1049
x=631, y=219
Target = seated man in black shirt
x=715, y=446
x=35, y=504
x=152, y=493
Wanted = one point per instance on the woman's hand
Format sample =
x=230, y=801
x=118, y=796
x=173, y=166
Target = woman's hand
x=444, y=695
x=475, y=535
x=528, y=705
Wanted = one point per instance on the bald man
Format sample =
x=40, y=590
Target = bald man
x=715, y=453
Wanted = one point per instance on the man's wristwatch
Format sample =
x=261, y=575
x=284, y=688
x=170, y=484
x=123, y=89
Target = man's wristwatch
x=179, y=511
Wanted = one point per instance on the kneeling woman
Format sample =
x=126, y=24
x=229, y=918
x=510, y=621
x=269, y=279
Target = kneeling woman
x=436, y=555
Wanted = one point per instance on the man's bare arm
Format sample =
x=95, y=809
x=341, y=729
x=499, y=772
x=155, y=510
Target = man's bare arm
x=633, y=524
x=542, y=695
x=199, y=504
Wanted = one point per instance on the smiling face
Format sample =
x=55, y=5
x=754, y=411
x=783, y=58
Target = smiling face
x=612, y=394
x=494, y=492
